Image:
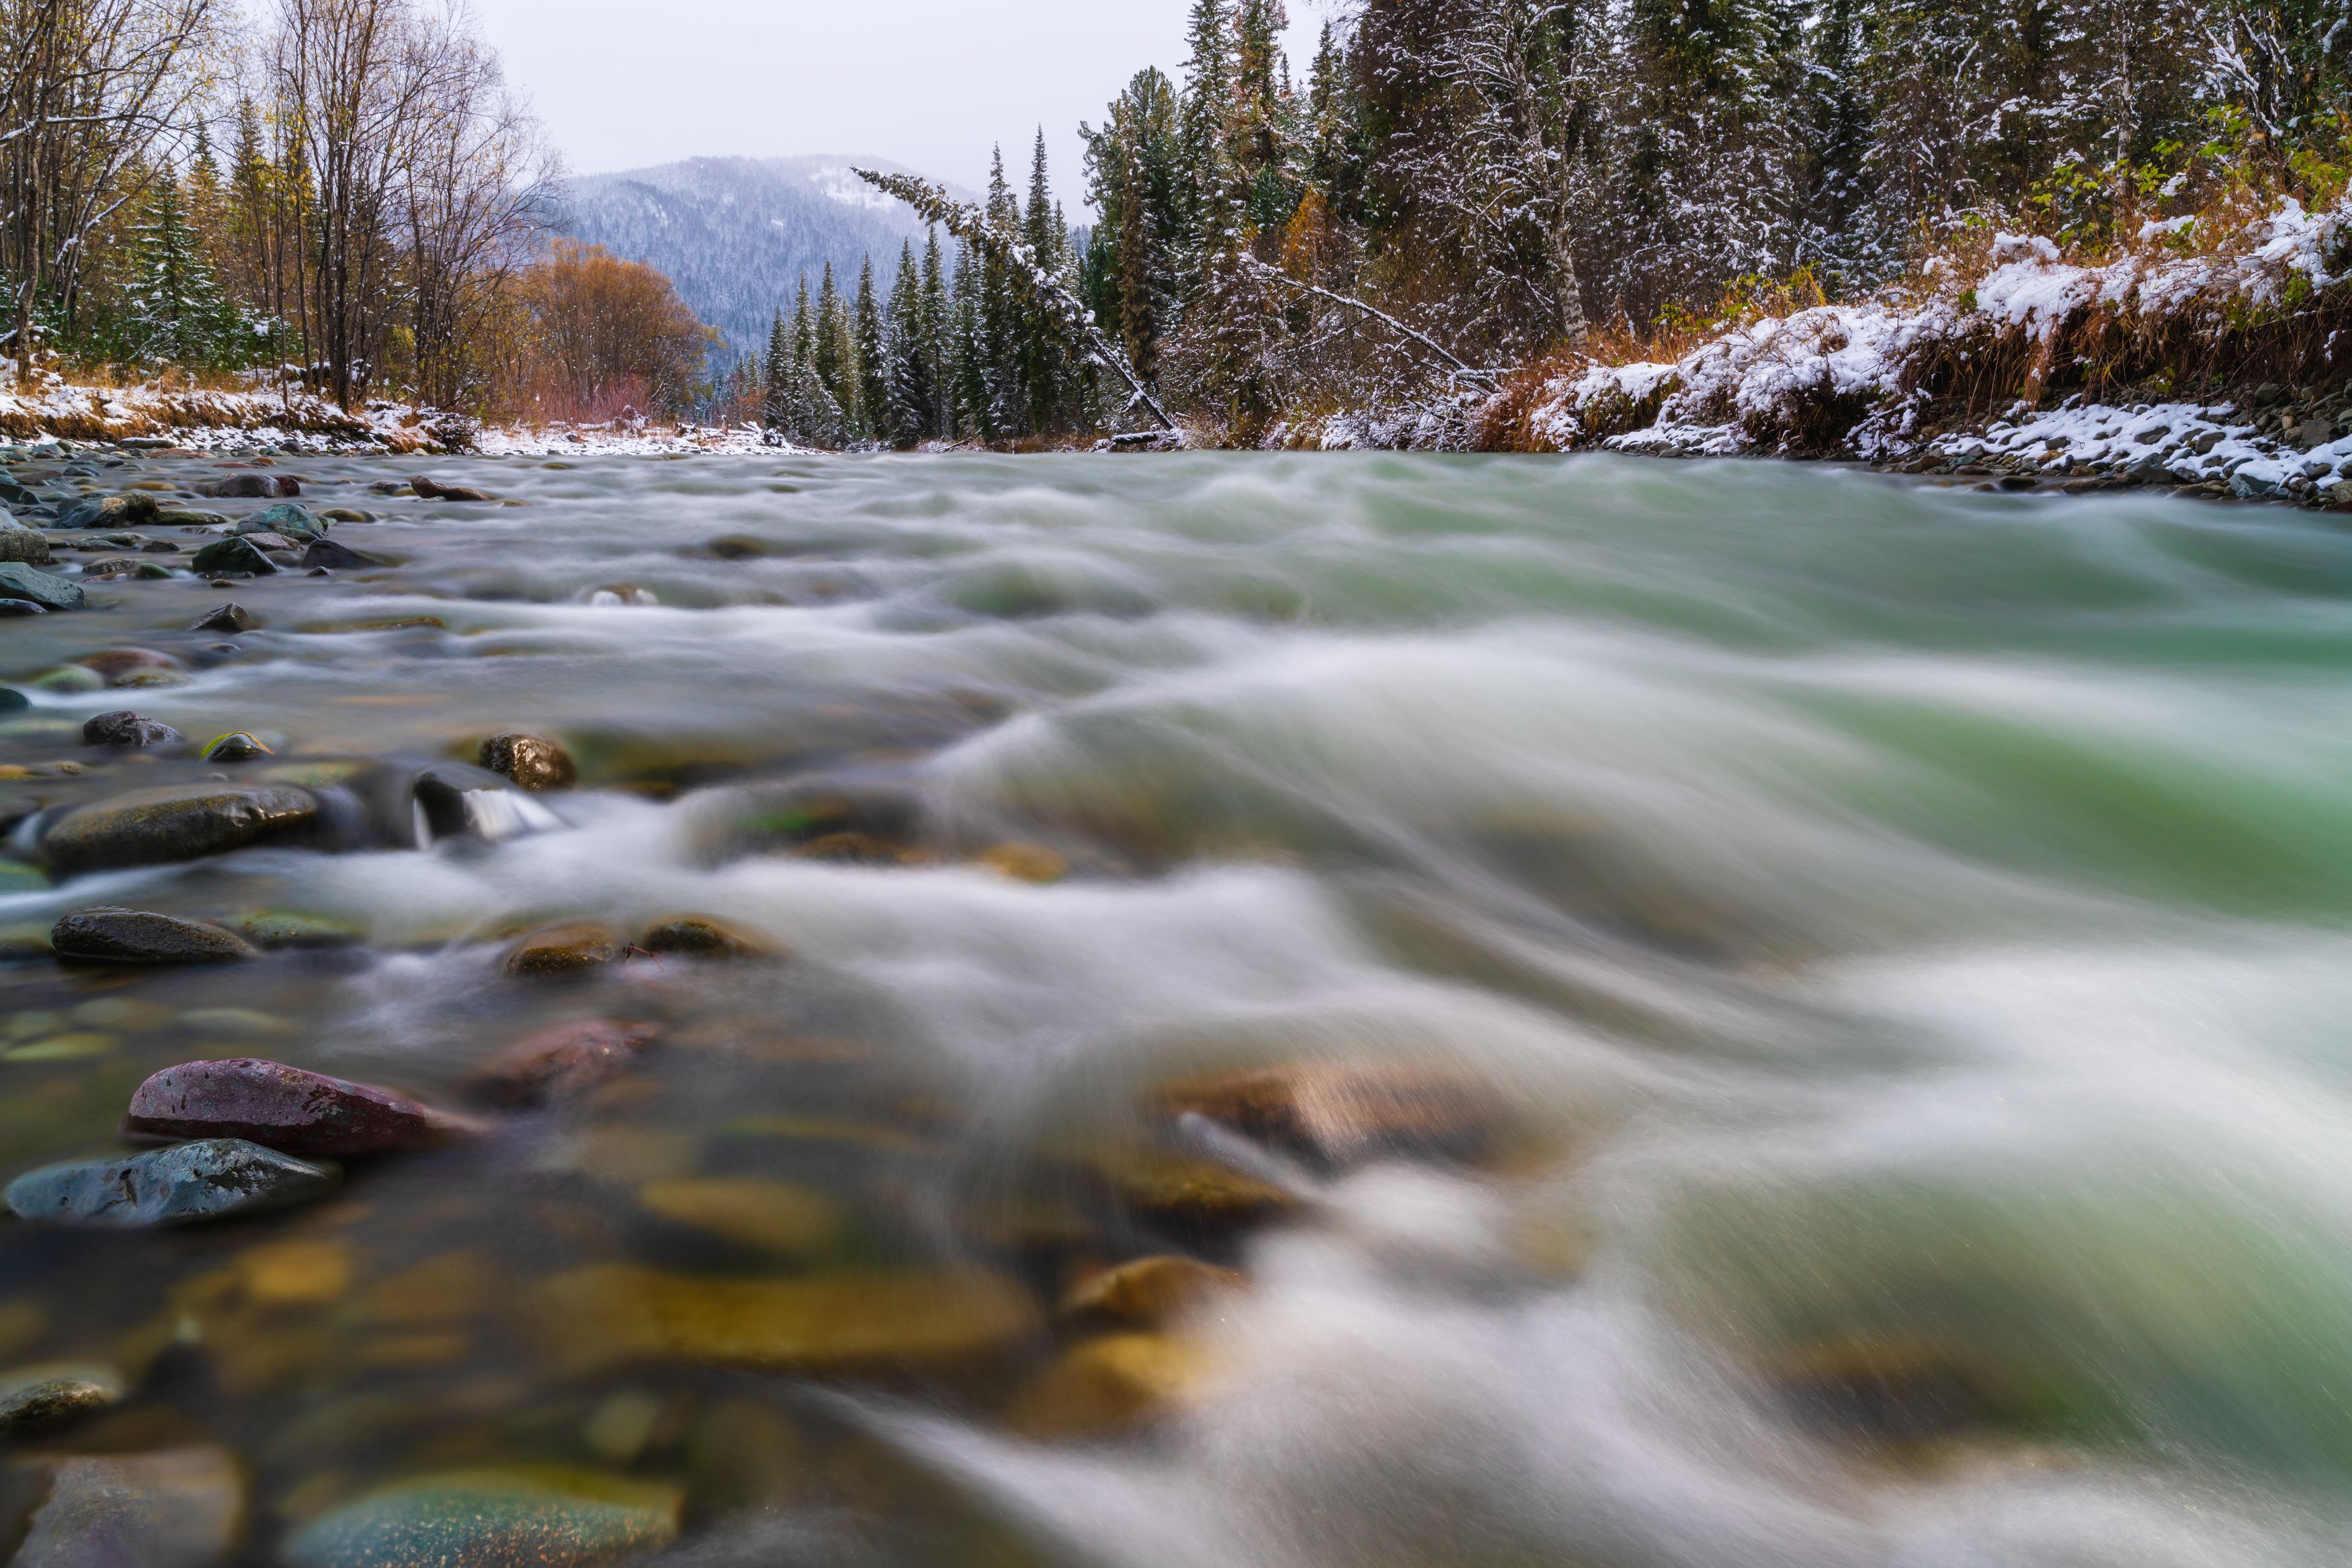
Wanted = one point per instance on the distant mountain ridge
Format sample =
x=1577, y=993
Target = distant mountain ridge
x=734, y=234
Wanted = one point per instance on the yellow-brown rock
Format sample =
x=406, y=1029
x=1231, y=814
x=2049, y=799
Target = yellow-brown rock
x=1339, y=1111
x=1025, y=863
x=845, y=1323
x=1114, y=1384
x=565, y=950
x=746, y=1211
x=295, y=1273
x=1150, y=1291
x=1179, y=1188
x=699, y=937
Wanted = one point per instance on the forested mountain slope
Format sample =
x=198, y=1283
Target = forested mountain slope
x=736, y=234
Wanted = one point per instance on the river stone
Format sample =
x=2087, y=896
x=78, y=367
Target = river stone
x=238, y=554
x=1113, y=1383
x=283, y=1108
x=178, y=823
x=179, y=1508
x=291, y=518
x=188, y=517
x=561, y=1060
x=13, y=701
x=125, y=727
x=19, y=543
x=20, y=581
x=565, y=949
x=106, y=935
x=32, y=1397
x=530, y=760
x=16, y=609
x=434, y=490
x=336, y=557
x=236, y=747
x=746, y=1211
x=459, y=801
x=1150, y=1290
x=109, y=512
x=243, y=486
x=182, y=1184
x=845, y=1323
x=15, y=494
x=1190, y=1191
x=1338, y=1112
x=493, y=1518
x=226, y=618
x=698, y=936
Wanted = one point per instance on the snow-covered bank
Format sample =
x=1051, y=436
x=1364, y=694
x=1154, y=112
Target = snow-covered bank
x=158, y=415
x=2024, y=365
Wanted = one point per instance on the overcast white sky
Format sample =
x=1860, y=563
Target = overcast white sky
x=930, y=84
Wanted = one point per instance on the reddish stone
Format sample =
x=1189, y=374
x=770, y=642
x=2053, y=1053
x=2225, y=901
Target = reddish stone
x=283, y=1108
x=563, y=1059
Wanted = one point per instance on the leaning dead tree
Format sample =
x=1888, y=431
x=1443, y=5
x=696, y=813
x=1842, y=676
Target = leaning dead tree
x=970, y=224
x=1463, y=370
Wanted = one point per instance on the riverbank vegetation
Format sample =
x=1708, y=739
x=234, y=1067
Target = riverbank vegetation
x=1458, y=197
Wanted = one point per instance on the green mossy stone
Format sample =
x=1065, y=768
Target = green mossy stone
x=492, y=1518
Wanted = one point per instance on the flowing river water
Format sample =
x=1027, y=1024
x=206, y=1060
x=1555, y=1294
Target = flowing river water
x=1863, y=971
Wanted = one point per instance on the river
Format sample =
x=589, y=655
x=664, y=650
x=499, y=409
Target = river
x=1861, y=968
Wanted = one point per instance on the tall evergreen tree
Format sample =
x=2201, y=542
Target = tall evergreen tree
x=776, y=380
x=936, y=340
x=865, y=339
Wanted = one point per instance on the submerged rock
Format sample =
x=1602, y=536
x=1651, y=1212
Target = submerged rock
x=696, y=937
x=226, y=618
x=19, y=582
x=336, y=557
x=1179, y=1188
x=187, y=1183
x=180, y=1508
x=289, y=520
x=451, y=800
x=125, y=727
x=565, y=949
x=1025, y=863
x=237, y=747
x=1150, y=1290
x=245, y=487
x=846, y=1323
x=283, y=1108
x=532, y=761
x=275, y=929
x=493, y=1518
x=34, y=1397
x=1113, y=1383
x=232, y=556
x=106, y=935
x=561, y=1060
x=155, y=827
x=434, y=490
x=746, y=1211
x=1338, y=1112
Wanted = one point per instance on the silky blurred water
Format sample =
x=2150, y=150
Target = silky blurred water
x=1900, y=918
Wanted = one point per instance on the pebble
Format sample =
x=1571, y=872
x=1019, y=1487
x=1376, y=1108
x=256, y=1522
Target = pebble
x=188, y=821
x=284, y=1108
x=532, y=761
x=32, y=1397
x=125, y=727
x=565, y=949
x=41, y=589
x=189, y=1182
x=179, y=1508
x=561, y=1060
x=1191, y=1191
x=434, y=490
x=106, y=935
x=492, y=1518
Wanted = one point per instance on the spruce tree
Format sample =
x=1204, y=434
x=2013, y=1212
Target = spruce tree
x=776, y=382
x=906, y=391
x=935, y=340
x=865, y=331
x=177, y=314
